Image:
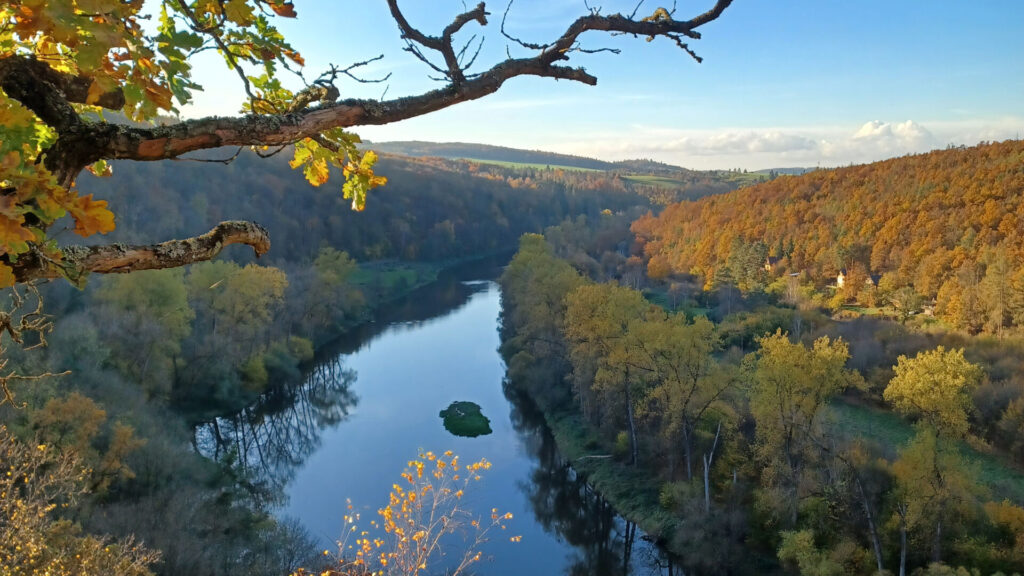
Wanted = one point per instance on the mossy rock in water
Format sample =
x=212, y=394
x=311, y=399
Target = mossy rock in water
x=465, y=419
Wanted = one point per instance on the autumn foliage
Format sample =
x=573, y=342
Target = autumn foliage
x=947, y=224
x=423, y=510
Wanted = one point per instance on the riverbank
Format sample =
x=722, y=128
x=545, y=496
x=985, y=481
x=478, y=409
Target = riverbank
x=633, y=493
x=386, y=284
x=361, y=414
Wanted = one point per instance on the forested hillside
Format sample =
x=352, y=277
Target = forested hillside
x=943, y=226
x=773, y=440
x=427, y=211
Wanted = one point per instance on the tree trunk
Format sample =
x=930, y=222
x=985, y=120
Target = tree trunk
x=707, y=486
x=687, y=450
x=708, y=458
x=634, y=448
x=902, y=511
x=875, y=542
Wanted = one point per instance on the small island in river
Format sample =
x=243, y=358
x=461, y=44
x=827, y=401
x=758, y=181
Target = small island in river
x=465, y=419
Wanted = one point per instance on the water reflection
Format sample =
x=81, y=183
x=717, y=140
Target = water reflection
x=418, y=357
x=422, y=307
x=566, y=506
x=266, y=442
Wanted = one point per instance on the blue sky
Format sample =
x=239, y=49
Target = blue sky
x=783, y=83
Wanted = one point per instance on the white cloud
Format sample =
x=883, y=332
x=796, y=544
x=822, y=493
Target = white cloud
x=907, y=136
x=804, y=146
x=741, y=143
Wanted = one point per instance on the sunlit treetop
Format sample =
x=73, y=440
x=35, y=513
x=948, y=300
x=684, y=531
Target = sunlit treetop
x=65, y=65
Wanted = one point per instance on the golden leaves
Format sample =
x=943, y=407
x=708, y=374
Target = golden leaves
x=7, y=278
x=14, y=237
x=283, y=9
x=317, y=158
x=417, y=518
x=316, y=172
x=935, y=385
x=360, y=179
x=91, y=216
x=239, y=11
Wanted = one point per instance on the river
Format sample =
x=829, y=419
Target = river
x=371, y=403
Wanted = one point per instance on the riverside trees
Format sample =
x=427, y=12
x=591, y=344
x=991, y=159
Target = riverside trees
x=795, y=477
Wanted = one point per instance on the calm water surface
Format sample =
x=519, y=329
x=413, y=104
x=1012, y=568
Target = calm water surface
x=372, y=405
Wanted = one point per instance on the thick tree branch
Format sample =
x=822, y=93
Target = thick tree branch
x=49, y=93
x=84, y=142
x=121, y=258
x=158, y=143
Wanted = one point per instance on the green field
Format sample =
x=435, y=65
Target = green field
x=744, y=178
x=651, y=180
x=534, y=166
x=393, y=278
x=891, y=432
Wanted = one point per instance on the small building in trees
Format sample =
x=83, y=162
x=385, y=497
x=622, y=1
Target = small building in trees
x=770, y=262
x=841, y=278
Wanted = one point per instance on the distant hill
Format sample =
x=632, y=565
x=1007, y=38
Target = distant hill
x=430, y=209
x=649, y=166
x=949, y=224
x=486, y=152
x=796, y=171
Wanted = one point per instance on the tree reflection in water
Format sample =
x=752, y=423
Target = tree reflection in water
x=569, y=508
x=265, y=443
x=268, y=443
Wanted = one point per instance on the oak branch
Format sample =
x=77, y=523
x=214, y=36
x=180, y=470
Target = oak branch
x=80, y=141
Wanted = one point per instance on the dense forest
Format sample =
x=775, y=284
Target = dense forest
x=937, y=233
x=758, y=418
x=427, y=211
x=773, y=438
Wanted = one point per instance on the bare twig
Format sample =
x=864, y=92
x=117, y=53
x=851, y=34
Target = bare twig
x=16, y=323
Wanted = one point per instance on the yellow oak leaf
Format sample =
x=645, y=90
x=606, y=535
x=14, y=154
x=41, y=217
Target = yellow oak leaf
x=91, y=216
x=239, y=12
x=13, y=236
x=317, y=172
x=7, y=278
